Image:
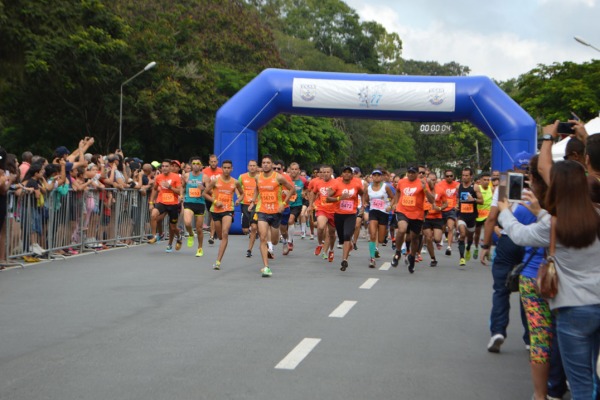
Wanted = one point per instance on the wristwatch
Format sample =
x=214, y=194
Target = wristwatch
x=485, y=246
x=548, y=136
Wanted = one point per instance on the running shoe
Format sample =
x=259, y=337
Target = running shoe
x=463, y=263
x=211, y=240
x=248, y=253
x=270, y=254
x=199, y=253
x=448, y=251
x=403, y=251
x=286, y=249
x=153, y=240
x=344, y=265
x=339, y=246
x=468, y=255
x=377, y=253
x=330, y=256
x=169, y=249
x=266, y=272
x=312, y=237
x=217, y=265
x=190, y=241
x=406, y=258
x=433, y=263
x=178, y=243
x=160, y=236
x=476, y=253
x=303, y=235
x=318, y=249
x=385, y=242
x=395, y=259
x=394, y=245
x=424, y=250
x=438, y=246
x=372, y=263
x=419, y=258
x=291, y=246
x=411, y=263
x=354, y=246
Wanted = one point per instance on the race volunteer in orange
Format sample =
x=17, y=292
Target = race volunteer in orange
x=408, y=202
x=165, y=199
x=345, y=198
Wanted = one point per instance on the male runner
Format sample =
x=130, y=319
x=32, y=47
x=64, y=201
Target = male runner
x=469, y=196
x=325, y=212
x=194, y=204
x=279, y=167
x=450, y=186
x=165, y=199
x=270, y=200
x=483, y=210
x=248, y=182
x=408, y=203
x=434, y=224
x=212, y=172
x=220, y=193
x=295, y=202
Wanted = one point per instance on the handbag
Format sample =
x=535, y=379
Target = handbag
x=547, y=278
x=512, y=279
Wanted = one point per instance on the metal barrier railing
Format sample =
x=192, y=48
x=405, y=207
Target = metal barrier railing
x=68, y=222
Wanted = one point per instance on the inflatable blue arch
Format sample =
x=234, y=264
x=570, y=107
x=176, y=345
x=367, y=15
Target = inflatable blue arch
x=475, y=99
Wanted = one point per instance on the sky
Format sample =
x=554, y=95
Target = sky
x=498, y=39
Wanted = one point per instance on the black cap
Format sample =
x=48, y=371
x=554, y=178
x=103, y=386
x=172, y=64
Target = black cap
x=347, y=168
x=412, y=168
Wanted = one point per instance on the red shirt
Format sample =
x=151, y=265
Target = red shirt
x=212, y=174
x=349, y=205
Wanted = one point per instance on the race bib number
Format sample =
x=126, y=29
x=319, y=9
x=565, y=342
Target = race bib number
x=409, y=201
x=466, y=208
x=268, y=197
x=225, y=199
x=378, y=204
x=346, y=205
x=195, y=192
x=483, y=213
x=452, y=202
x=168, y=197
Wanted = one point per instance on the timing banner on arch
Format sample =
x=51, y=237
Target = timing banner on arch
x=374, y=95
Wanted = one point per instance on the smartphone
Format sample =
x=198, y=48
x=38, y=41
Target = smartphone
x=575, y=117
x=515, y=186
x=565, y=128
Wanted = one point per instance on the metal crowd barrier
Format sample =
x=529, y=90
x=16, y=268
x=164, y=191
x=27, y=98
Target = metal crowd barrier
x=70, y=222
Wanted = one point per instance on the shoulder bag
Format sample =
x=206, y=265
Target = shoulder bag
x=512, y=280
x=547, y=278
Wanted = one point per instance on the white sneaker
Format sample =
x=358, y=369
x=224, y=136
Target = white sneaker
x=339, y=246
x=37, y=249
x=495, y=342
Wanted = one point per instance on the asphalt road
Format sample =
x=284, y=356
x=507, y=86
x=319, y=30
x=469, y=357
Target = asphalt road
x=139, y=323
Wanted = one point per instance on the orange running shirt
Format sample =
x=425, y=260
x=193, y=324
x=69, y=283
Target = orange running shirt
x=439, y=200
x=212, y=174
x=451, y=191
x=347, y=206
x=249, y=185
x=320, y=188
x=223, y=192
x=269, y=194
x=167, y=196
x=412, y=196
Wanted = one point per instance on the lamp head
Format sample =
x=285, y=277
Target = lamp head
x=150, y=66
x=580, y=40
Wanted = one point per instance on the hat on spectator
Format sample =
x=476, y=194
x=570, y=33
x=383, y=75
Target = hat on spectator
x=135, y=165
x=137, y=160
x=176, y=163
x=88, y=157
x=522, y=160
x=155, y=164
x=68, y=167
x=61, y=151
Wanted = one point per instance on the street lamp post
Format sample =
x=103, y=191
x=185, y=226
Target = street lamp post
x=146, y=68
x=585, y=43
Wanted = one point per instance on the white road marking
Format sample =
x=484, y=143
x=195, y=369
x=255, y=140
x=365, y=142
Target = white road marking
x=343, y=309
x=369, y=283
x=385, y=266
x=299, y=353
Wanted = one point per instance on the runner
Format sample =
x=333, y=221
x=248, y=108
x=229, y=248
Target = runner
x=434, y=223
x=468, y=196
x=483, y=210
x=408, y=203
x=248, y=182
x=194, y=204
x=450, y=186
x=324, y=212
x=212, y=172
x=295, y=202
x=270, y=201
x=345, y=197
x=377, y=198
x=222, y=208
x=165, y=200
x=279, y=167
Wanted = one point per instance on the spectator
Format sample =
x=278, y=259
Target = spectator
x=25, y=163
x=577, y=305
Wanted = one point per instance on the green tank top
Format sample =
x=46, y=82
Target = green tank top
x=483, y=210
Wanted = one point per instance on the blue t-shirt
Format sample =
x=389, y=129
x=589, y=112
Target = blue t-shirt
x=526, y=217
